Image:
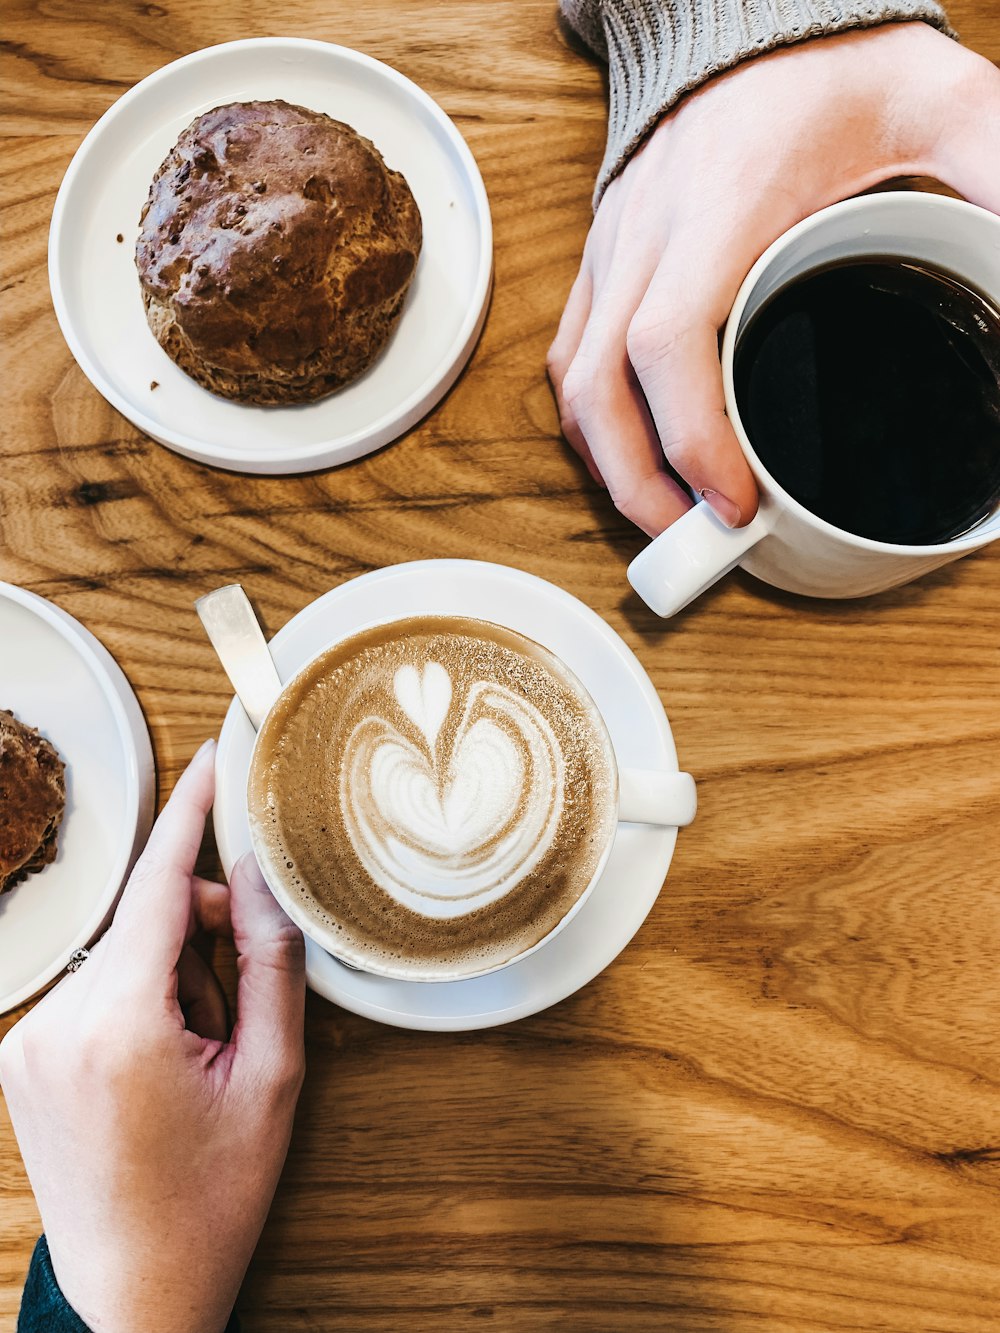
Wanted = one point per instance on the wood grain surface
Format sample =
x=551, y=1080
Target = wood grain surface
x=778, y=1109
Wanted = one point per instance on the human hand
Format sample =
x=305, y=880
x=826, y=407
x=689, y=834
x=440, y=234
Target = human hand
x=154, y=1144
x=635, y=363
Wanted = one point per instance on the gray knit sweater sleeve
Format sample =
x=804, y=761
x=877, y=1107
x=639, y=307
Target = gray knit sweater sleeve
x=658, y=50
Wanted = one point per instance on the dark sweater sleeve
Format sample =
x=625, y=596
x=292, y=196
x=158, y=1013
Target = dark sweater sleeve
x=44, y=1309
x=658, y=50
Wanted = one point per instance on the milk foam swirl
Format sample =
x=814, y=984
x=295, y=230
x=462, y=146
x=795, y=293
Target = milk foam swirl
x=456, y=815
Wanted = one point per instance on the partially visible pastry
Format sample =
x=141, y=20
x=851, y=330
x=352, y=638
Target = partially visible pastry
x=32, y=800
x=275, y=251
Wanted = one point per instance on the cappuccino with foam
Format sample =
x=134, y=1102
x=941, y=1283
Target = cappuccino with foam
x=434, y=795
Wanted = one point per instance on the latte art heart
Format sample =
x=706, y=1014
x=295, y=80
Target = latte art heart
x=424, y=696
x=452, y=819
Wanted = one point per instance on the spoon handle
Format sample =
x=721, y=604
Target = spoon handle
x=236, y=636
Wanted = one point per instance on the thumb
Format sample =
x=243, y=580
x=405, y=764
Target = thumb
x=270, y=996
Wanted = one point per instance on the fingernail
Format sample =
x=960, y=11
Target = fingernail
x=729, y=513
x=205, y=745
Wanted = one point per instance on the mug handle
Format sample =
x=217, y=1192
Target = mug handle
x=691, y=555
x=647, y=796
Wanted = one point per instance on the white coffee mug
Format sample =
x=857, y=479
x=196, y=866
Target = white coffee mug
x=786, y=545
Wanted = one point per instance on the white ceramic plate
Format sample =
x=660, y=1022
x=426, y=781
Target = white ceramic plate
x=54, y=675
x=639, y=731
x=95, y=288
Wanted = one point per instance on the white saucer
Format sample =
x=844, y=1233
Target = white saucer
x=95, y=288
x=639, y=730
x=54, y=675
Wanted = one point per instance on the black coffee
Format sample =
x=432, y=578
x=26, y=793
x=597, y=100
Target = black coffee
x=870, y=390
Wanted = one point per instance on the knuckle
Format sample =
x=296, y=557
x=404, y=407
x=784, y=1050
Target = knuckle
x=966, y=80
x=625, y=498
x=569, y=424
x=651, y=338
x=282, y=953
x=642, y=340
x=294, y=1071
x=93, y=1050
x=108, y=1041
x=580, y=390
x=688, y=441
x=684, y=446
x=555, y=363
x=287, y=951
x=570, y=429
x=286, y=1076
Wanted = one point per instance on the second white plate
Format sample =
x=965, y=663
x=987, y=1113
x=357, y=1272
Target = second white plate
x=95, y=287
x=54, y=675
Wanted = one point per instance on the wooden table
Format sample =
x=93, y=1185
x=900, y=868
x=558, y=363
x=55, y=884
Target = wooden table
x=778, y=1109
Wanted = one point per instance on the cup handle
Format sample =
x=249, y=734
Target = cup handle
x=691, y=555
x=647, y=796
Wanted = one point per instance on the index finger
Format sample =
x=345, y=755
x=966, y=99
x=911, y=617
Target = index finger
x=151, y=923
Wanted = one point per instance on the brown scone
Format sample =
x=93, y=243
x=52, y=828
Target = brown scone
x=275, y=250
x=32, y=800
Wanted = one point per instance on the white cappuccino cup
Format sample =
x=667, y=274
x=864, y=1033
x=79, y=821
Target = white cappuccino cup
x=419, y=797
